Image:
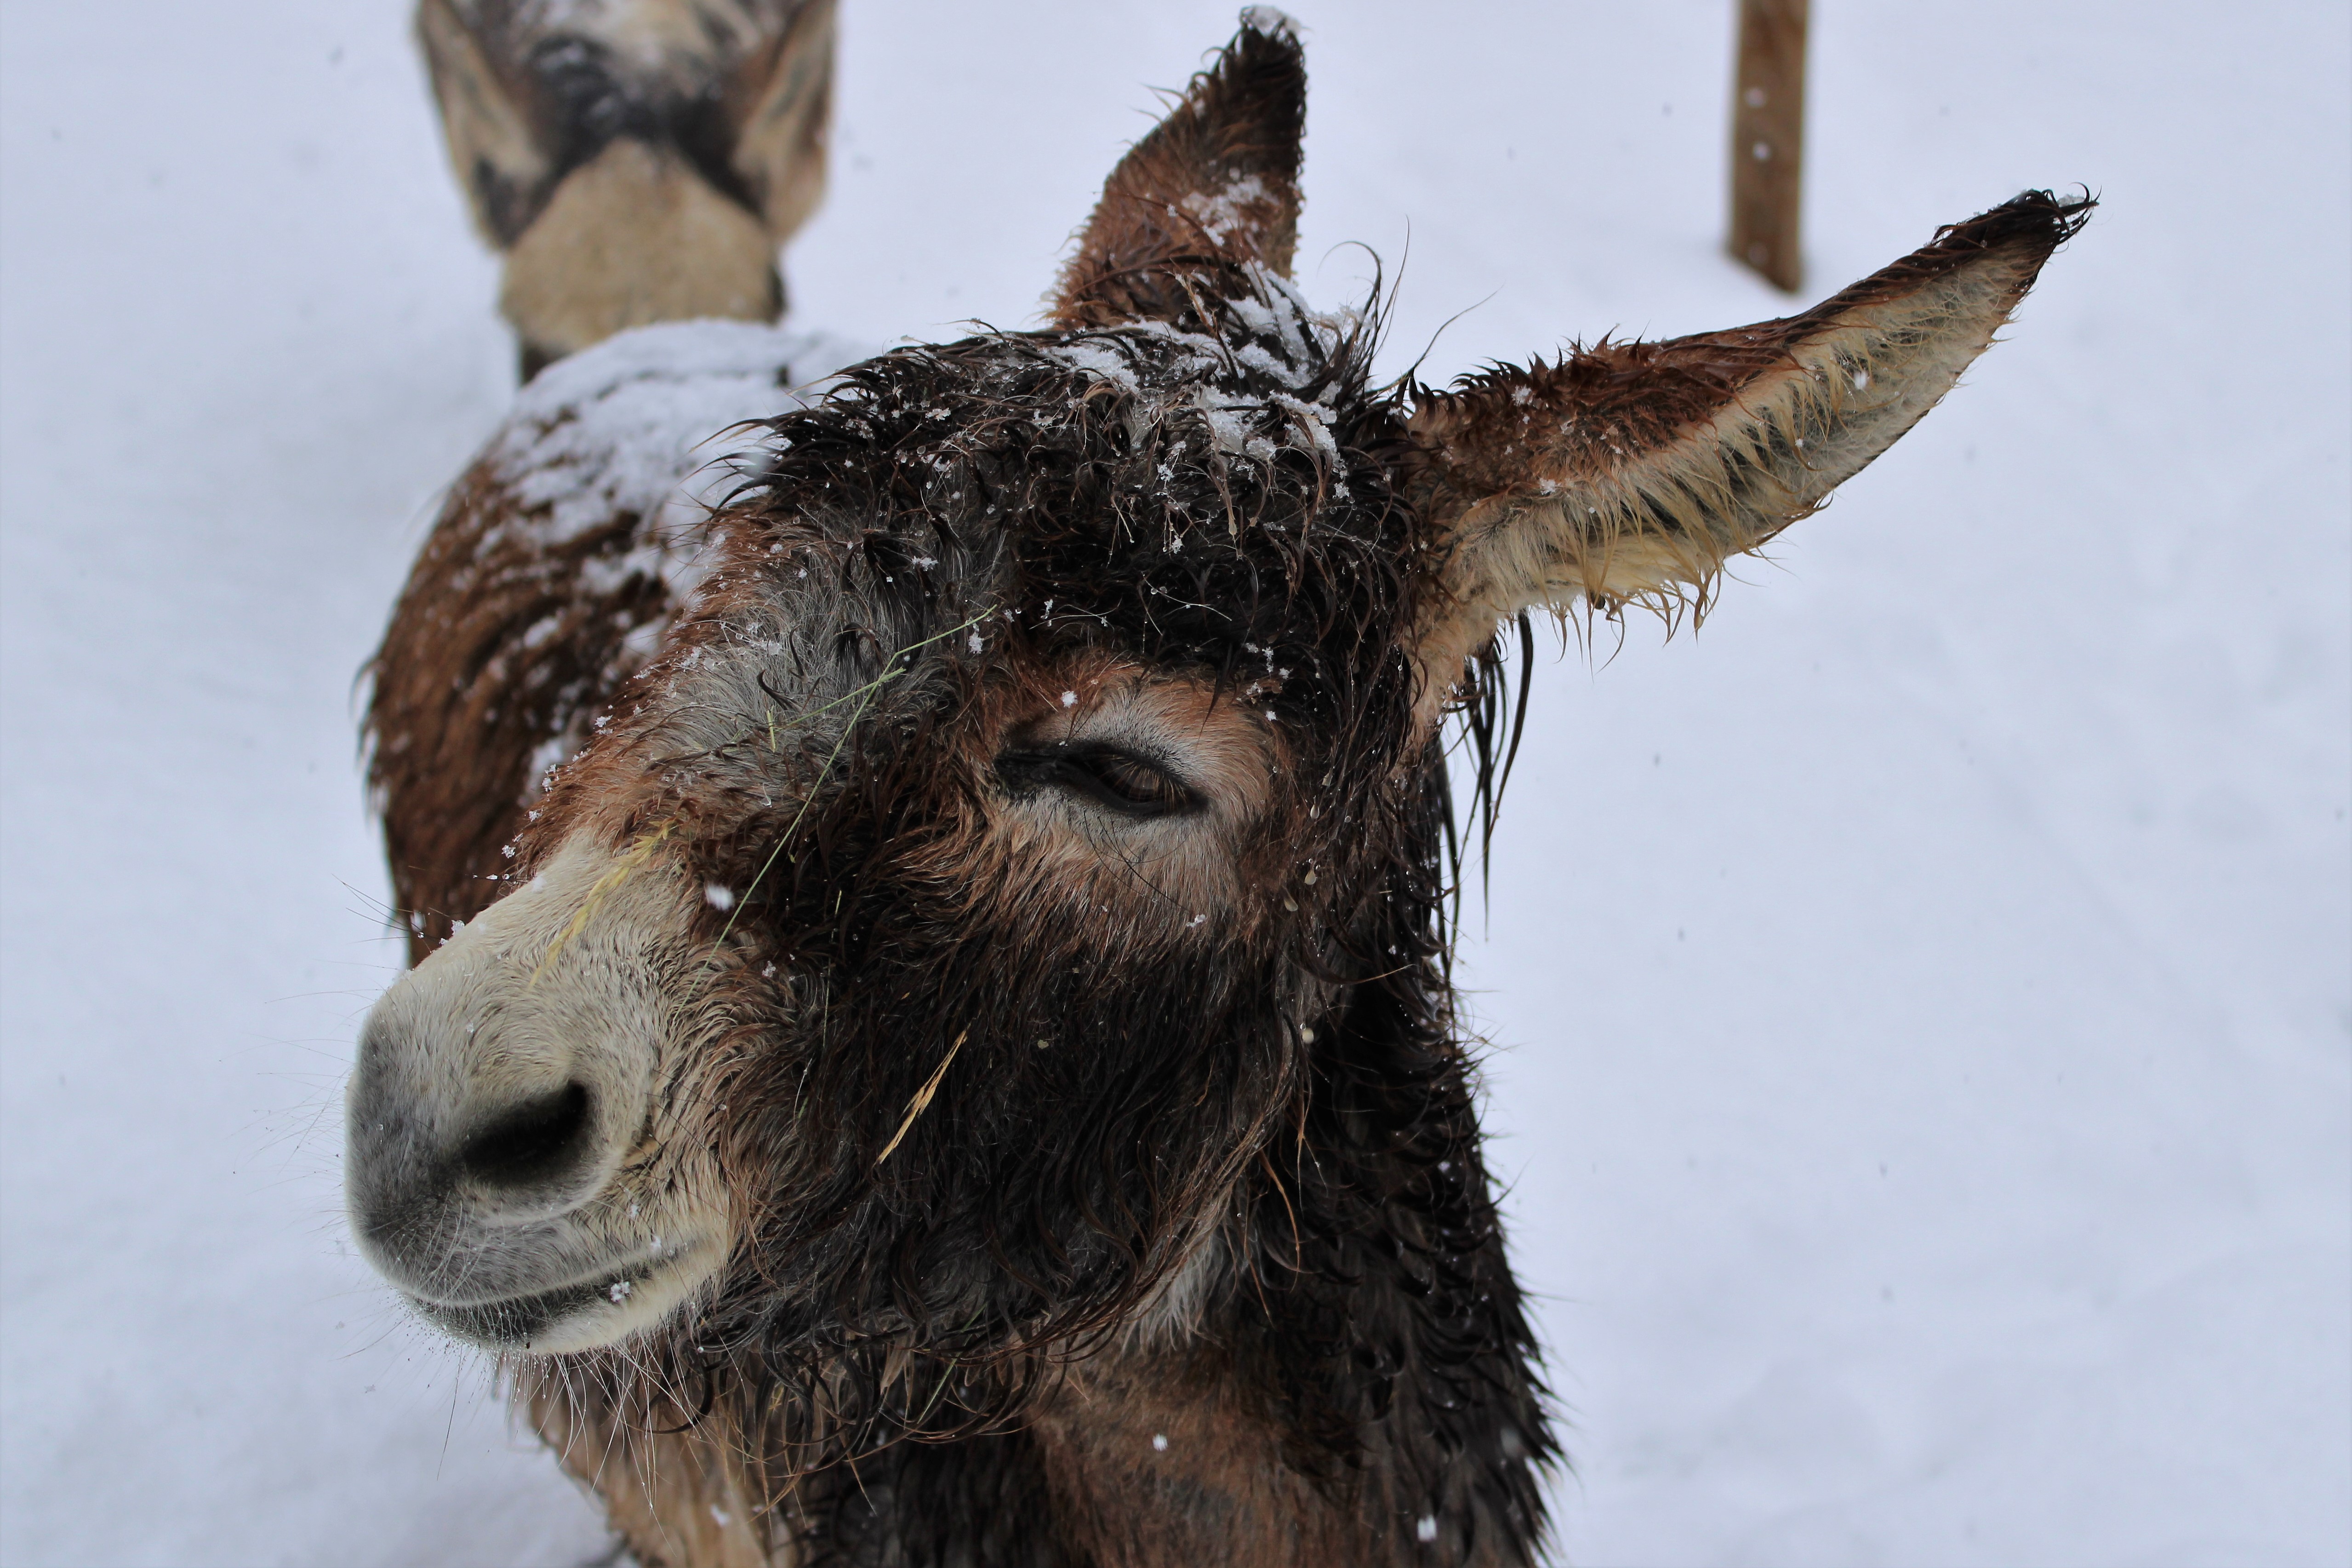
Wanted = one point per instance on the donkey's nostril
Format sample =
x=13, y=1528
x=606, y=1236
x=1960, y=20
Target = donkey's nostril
x=531, y=1143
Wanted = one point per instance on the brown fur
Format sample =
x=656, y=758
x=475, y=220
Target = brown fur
x=498, y=650
x=1036, y=1126
x=1169, y=1459
x=679, y=1498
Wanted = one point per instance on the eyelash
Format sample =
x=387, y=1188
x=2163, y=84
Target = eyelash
x=1127, y=783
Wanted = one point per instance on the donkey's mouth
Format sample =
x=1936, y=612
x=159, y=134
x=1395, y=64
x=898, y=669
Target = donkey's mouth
x=600, y=1308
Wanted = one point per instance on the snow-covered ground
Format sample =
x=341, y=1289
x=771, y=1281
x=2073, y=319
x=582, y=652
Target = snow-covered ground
x=1922, y=1027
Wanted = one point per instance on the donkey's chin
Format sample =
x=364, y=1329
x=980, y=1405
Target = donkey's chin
x=600, y=1308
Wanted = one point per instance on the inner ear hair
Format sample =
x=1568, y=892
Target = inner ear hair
x=1213, y=187
x=1631, y=471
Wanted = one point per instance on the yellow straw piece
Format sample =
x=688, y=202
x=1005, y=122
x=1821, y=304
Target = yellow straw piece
x=638, y=853
x=922, y=1098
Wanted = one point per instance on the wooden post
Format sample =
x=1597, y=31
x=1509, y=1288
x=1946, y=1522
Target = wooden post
x=1768, y=140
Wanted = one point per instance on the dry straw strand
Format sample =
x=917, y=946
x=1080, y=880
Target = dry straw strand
x=922, y=1099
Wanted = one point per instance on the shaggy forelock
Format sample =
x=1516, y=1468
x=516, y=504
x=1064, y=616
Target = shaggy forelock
x=1200, y=498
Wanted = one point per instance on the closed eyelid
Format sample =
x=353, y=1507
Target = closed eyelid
x=1224, y=753
x=1123, y=780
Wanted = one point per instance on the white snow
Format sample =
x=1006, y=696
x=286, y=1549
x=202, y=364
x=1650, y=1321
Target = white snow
x=647, y=424
x=1100, y=360
x=1219, y=215
x=1920, y=999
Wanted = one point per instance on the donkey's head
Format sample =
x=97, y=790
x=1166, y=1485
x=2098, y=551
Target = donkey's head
x=1044, y=795
x=635, y=163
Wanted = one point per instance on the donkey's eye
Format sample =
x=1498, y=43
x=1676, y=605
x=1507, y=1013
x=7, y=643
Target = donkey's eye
x=1132, y=779
x=1135, y=785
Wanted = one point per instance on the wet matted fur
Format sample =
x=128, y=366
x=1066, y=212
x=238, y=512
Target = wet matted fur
x=1277, y=1101
x=1031, y=840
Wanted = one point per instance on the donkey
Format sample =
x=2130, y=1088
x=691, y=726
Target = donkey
x=960, y=1067
x=633, y=162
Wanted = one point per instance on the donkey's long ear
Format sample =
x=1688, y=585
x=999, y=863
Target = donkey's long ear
x=779, y=107
x=1633, y=471
x=1213, y=188
x=487, y=116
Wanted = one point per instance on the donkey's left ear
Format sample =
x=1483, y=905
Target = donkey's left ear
x=778, y=106
x=1213, y=188
x=1633, y=471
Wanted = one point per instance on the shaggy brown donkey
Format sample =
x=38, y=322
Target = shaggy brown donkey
x=963, y=1070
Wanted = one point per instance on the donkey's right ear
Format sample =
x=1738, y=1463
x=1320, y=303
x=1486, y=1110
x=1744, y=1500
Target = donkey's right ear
x=503, y=170
x=1213, y=188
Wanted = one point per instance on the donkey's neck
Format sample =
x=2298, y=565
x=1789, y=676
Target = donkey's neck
x=1358, y=1389
x=1350, y=1386
x=1173, y=1457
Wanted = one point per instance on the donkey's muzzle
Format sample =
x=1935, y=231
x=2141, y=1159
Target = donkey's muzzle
x=503, y=1166
x=458, y=1170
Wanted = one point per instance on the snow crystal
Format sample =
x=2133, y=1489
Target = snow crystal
x=548, y=756
x=719, y=897
x=1272, y=22
x=1313, y=421
x=1221, y=213
x=1425, y=1528
x=1069, y=699
x=1100, y=360
x=1225, y=424
x=1158, y=1442
x=619, y=1292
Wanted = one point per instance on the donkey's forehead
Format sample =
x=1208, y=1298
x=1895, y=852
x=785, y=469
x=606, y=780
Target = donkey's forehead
x=1178, y=491
x=1269, y=373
